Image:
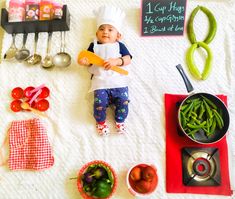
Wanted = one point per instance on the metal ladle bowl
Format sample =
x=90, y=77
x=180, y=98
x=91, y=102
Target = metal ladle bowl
x=23, y=53
x=47, y=62
x=10, y=53
x=62, y=59
x=35, y=58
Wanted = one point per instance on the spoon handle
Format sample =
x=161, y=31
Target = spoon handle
x=62, y=43
x=49, y=43
x=24, y=39
x=35, y=42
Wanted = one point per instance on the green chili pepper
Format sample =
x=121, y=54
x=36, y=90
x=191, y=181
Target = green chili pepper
x=209, y=102
x=208, y=64
x=190, y=29
x=190, y=62
x=213, y=24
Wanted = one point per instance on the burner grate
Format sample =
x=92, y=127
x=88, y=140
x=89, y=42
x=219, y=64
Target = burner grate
x=201, y=167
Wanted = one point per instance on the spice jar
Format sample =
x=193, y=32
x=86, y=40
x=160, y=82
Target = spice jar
x=32, y=10
x=45, y=10
x=16, y=11
x=57, y=10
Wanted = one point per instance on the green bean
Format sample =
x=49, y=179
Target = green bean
x=192, y=132
x=193, y=113
x=213, y=126
x=187, y=109
x=209, y=102
x=183, y=120
x=184, y=107
x=219, y=119
x=208, y=110
x=196, y=107
x=196, y=126
x=202, y=110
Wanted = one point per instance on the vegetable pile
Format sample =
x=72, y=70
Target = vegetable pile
x=98, y=181
x=200, y=114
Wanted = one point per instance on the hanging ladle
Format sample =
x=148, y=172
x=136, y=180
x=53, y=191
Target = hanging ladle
x=10, y=53
x=62, y=59
x=23, y=53
x=35, y=58
x=47, y=62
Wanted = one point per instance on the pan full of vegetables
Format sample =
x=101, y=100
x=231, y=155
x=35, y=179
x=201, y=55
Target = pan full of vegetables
x=202, y=117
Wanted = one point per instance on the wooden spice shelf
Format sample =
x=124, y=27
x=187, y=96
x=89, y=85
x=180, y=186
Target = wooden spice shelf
x=36, y=26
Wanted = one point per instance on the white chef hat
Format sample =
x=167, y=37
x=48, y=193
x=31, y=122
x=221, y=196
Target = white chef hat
x=110, y=15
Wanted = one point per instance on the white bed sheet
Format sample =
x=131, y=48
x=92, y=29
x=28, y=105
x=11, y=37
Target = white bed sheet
x=152, y=74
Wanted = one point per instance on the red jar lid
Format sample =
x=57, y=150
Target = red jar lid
x=45, y=93
x=27, y=92
x=17, y=93
x=16, y=105
x=42, y=105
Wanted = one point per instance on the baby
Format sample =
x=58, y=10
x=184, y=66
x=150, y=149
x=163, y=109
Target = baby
x=109, y=87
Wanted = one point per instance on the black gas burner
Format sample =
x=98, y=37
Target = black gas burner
x=201, y=166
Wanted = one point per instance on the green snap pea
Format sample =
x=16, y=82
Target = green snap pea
x=202, y=110
x=209, y=102
x=208, y=110
x=183, y=120
x=219, y=119
x=196, y=126
x=185, y=111
x=213, y=126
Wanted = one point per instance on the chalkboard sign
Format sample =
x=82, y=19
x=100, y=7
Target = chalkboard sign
x=163, y=17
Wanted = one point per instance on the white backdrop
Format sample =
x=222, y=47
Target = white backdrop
x=152, y=74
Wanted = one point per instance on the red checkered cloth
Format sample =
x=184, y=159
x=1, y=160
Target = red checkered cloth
x=29, y=146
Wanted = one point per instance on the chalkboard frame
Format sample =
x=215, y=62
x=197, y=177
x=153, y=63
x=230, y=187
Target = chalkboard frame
x=164, y=34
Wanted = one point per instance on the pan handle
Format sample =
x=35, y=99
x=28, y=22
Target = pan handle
x=185, y=78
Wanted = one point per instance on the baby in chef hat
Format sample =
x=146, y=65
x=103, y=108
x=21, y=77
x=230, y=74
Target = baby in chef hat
x=109, y=86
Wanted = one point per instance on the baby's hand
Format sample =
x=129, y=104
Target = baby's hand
x=109, y=63
x=84, y=61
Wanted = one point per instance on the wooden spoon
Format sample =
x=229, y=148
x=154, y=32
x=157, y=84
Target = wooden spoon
x=25, y=106
x=95, y=59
